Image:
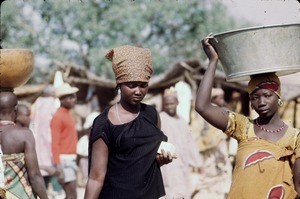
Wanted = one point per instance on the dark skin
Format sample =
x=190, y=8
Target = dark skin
x=23, y=115
x=68, y=102
x=132, y=93
x=169, y=105
x=15, y=139
x=263, y=101
x=218, y=100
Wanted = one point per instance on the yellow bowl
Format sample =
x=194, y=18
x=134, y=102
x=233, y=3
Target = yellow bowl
x=16, y=66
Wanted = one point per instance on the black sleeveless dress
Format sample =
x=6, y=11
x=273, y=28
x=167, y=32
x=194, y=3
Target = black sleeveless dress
x=132, y=170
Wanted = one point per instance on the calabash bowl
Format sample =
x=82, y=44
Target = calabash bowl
x=16, y=66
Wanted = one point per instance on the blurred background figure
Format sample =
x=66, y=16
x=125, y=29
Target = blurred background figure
x=82, y=149
x=214, y=148
x=184, y=97
x=42, y=111
x=64, y=140
x=177, y=176
x=23, y=115
x=20, y=174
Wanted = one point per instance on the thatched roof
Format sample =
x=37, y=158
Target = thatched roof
x=189, y=71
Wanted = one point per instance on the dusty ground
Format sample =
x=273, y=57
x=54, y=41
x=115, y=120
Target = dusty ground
x=80, y=192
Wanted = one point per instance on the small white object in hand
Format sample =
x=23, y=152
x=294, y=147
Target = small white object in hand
x=167, y=147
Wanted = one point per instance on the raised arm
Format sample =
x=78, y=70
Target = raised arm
x=215, y=115
x=98, y=170
x=35, y=178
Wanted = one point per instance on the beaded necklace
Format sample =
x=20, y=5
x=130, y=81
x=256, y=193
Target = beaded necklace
x=117, y=109
x=267, y=130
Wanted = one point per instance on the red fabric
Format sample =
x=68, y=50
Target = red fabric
x=273, y=86
x=64, y=135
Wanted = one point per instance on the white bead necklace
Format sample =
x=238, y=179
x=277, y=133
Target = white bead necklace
x=117, y=110
x=118, y=115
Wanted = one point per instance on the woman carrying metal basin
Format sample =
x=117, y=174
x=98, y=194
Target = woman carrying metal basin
x=267, y=162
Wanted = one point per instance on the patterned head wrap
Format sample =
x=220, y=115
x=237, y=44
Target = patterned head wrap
x=131, y=64
x=268, y=81
x=170, y=92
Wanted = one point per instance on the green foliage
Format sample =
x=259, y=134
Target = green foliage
x=81, y=32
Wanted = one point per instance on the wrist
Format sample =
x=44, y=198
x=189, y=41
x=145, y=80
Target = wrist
x=214, y=61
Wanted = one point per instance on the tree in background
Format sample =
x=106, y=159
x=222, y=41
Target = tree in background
x=80, y=32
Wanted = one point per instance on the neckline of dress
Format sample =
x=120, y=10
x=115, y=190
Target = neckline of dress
x=280, y=140
x=118, y=115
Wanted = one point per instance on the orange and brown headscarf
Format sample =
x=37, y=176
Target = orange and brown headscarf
x=268, y=81
x=131, y=64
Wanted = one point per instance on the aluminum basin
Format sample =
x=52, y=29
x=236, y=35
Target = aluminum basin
x=245, y=52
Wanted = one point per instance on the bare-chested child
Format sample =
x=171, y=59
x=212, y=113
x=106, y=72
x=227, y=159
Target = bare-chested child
x=22, y=177
x=23, y=115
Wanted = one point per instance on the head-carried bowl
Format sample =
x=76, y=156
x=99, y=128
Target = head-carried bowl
x=265, y=49
x=16, y=66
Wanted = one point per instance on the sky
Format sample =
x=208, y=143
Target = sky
x=265, y=12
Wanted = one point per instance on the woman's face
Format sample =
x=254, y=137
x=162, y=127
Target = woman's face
x=264, y=102
x=133, y=92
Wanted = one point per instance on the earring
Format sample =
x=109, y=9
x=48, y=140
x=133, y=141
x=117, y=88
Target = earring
x=251, y=106
x=280, y=103
x=117, y=89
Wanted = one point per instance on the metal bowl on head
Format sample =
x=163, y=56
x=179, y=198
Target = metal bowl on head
x=16, y=66
x=265, y=49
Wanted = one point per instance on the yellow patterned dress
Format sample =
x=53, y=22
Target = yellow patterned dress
x=16, y=181
x=263, y=168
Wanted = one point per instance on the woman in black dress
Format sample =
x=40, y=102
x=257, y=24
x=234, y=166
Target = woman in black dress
x=123, y=159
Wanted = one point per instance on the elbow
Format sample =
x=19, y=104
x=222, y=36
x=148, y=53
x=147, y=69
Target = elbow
x=98, y=177
x=33, y=177
x=201, y=105
x=35, y=181
x=200, y=108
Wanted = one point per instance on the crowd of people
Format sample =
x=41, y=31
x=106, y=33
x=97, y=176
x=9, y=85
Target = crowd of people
x=133, y=150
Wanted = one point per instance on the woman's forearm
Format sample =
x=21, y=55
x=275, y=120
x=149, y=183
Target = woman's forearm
x=297, y=176
x=38, y=186
x=205, y=87
x=93, y=189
